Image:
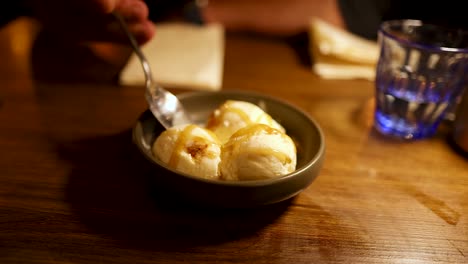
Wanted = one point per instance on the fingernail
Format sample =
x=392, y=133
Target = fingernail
x=143, y=31
x=138, y=11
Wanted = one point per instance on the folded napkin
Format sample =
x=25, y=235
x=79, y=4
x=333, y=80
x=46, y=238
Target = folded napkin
x=181, y=55
x=339, y=54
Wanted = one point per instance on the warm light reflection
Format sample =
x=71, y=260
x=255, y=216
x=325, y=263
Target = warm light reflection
x=410, y=261
x=365, y=115
x=369, y=112
x=171, y=104
x=21, y=36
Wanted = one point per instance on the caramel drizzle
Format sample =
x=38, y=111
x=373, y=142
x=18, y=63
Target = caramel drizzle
x=245, y=133
x=200, y=144
x=180, y=145
x=281, y=156
x=228, y=108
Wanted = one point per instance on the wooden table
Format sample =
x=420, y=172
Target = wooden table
x=73, y=189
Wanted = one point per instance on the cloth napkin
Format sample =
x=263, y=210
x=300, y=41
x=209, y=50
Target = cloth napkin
x=181, y=55
x=339, y=54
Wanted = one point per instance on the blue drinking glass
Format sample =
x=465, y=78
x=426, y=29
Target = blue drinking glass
x=421, y=73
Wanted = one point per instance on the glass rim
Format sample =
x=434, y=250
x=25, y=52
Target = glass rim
x=384, y=29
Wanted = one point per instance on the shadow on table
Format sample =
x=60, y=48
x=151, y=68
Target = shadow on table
x=455, y=147
x=55, y=60
x=300, y=43
x=108, y=189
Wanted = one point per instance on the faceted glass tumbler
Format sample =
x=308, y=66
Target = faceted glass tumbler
x=421, y=73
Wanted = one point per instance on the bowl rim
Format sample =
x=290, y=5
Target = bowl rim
x=250, y=183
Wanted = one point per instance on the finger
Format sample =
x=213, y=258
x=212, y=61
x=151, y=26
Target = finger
x=105, y=6
x=142, y=32
x=89, y=6
x=133, y=10
x=111, y=31
x=83, y=25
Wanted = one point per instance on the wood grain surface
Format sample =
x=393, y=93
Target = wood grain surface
x=73, y=189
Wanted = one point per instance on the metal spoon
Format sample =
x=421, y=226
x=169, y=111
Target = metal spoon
x=164, y=105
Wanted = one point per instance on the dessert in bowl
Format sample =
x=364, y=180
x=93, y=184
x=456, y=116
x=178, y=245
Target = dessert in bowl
x=226, y=181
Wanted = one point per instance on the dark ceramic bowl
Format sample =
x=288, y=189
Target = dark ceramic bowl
x=241, y=194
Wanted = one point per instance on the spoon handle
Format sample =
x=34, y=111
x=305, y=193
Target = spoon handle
x=164, y=105
x=144, y=62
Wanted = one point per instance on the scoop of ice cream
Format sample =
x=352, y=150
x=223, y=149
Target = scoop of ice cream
x=190, y=149
x=257, y=152
x=233, y=115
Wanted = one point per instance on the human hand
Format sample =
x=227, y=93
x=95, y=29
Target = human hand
x=276, y=17
x=92, y=20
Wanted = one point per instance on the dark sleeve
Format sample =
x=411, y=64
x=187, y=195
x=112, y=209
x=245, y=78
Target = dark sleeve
x=363, y=17
x=13, y=10
x=160, y=10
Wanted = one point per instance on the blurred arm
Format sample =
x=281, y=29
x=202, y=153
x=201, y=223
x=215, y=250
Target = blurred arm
x=363, y=17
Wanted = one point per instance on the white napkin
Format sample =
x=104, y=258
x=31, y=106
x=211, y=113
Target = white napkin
x=181, y=55
x=339, y=54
